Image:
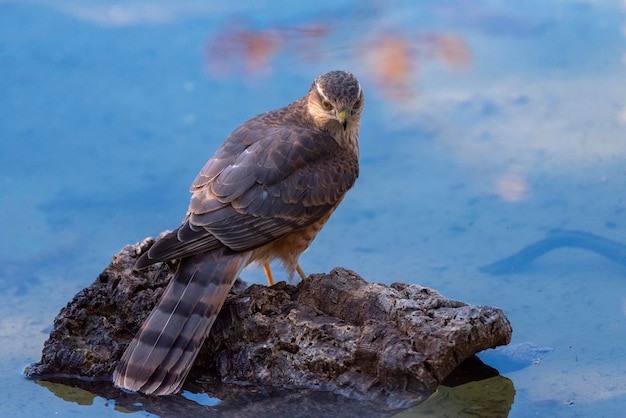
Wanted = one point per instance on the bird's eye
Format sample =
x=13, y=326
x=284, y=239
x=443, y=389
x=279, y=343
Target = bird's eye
x=356, y=104
x=326, y=105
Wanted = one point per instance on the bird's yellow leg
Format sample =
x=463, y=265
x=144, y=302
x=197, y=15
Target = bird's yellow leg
x=268, y=274
x=300, y=271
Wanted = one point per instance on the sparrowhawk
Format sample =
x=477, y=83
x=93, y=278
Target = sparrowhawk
x=264, y=195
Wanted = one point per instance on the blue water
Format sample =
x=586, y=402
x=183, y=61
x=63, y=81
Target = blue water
x=487, y=125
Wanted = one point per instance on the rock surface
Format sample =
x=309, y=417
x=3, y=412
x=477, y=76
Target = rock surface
x=392, y=345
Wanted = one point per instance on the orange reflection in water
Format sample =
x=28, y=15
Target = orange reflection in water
x=393, y=59
x=389, y=59
x=391, y=63
x=238, y=49
x=453, y=51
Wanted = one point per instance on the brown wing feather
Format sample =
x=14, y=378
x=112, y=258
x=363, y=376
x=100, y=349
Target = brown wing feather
x=285, y=181
x=261, y=184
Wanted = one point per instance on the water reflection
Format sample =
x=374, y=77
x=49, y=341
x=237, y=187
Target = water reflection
x=490, y=398
x=241, y=401
x=473, y=388
x=237, y=49
x=389, y=59
x=555, y=239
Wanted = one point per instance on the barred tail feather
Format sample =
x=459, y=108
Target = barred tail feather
x=162, y=352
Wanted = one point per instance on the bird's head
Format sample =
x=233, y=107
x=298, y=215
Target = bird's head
x=336, y=101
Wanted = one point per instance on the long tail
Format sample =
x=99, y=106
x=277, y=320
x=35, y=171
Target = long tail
x=162, y=352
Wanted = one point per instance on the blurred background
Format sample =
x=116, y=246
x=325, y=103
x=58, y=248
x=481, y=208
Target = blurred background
x=488, y=126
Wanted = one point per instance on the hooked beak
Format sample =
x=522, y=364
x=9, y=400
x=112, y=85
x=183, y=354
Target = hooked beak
x=343, y=118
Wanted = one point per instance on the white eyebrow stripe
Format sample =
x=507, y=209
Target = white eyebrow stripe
x=320, y=91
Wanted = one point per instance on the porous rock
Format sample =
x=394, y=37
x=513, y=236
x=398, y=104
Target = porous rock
x=334, y=332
